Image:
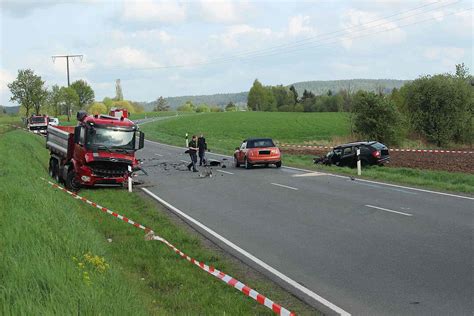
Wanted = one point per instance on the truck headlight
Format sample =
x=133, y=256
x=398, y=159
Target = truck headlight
x=86, y=179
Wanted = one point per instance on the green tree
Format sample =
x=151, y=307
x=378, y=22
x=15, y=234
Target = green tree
x=54, y=100
x=124, y=104
x=215, y=108
x=187, y=107
x=108, y=102
x=69, y=101
x=230, y=107
x=440, y=107
x=97, y=108
x=256, y=96
x=295, y=94
x=85, y=93
x=269, y=102
x=28, y=90
x=161, y=105
x=202, y=108
x=376, y=117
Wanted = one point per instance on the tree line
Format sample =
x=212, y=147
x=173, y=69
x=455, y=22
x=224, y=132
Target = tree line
x=437, y=108
x=31, y=93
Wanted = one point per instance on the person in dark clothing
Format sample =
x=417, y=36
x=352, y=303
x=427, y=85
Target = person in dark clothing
x=193, y=153
x=202, y=147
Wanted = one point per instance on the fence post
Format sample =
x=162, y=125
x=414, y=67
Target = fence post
x=129, y=178
x=359, y=170
x=187, y=141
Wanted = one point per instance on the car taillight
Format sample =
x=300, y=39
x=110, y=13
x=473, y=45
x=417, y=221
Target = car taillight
x=376, y=154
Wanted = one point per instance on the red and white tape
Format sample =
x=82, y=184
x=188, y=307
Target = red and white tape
x=440, y=151
x=278, y=309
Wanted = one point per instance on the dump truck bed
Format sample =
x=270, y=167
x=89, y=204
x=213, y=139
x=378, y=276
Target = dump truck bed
x=60, y=140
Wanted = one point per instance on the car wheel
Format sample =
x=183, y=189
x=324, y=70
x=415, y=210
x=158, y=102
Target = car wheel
x=248, y=165
x=71, y=183
x=236, y=162
x=278, y=164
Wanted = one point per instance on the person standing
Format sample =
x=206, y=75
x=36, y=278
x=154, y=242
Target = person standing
x=192, y=149
x=202, y=147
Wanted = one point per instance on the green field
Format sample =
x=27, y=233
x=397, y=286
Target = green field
x=225, y=131
x=55, y=257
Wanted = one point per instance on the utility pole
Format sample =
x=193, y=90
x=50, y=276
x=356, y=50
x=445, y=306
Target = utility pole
x=67, y=62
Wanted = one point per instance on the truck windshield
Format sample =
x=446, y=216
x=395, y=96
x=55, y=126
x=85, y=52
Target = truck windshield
x=111, y=138
x=38, y=119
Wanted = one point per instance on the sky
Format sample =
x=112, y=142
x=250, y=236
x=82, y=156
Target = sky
x=175, y=48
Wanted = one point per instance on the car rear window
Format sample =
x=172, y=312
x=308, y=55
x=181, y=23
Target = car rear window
x=258, y=143
x=378, y=146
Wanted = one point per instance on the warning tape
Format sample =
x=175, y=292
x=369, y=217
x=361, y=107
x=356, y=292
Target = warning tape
x=440, y=151
x=278, y=309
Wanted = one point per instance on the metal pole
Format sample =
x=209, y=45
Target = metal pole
x=67, y=62
x=187, y=141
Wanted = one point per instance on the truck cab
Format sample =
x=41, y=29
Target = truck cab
x=37, y=123
x=99, y=151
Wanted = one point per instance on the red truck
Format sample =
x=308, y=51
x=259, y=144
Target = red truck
x=115, y=112
x=96, y=152
x=37, y=123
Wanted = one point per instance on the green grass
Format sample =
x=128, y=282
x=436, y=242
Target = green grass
x=44, y=229
x=225, y=131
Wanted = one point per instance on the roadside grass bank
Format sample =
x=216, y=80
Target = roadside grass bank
x=56, y=258
x=225, y=131
x=438, y=180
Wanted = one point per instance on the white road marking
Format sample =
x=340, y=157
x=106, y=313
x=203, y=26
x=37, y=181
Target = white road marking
x=387, y=210
x=345, y=177
x=184, y=161
x=311, y=174
x=227, y=172
x=159, y=155
x=284, y=186
x=259, y=262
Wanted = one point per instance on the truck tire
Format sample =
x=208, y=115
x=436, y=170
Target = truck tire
x=71, y=183
x=51, y=167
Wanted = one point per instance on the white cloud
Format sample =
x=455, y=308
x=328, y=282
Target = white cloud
x=181, y=56
x=154, y=11
x=6, y=77
x=436, y=53
x=225, y=11
x=146, y=35
x=237, y=34
x=299, y=25
x=128, y=57
x=361, y=24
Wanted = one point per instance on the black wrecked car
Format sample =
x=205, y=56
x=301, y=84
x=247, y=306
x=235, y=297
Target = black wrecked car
x=371, y=153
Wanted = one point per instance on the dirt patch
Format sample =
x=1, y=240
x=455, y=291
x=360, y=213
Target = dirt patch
x=427, y=161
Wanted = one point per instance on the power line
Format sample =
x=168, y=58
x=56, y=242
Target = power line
x=67, y=62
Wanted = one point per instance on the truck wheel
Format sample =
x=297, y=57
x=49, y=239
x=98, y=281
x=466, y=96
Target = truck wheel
x=56, y=172
x=71, y=182
x=51, y=167
x=278, y=164
x=236, y=162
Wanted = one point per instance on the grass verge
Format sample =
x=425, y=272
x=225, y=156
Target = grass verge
x=225, y=131
x=55, y=257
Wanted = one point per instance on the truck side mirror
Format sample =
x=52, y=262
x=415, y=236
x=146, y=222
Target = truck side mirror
x=77, y=134
x=139, y=140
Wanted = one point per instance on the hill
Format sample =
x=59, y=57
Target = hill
x=317, y=87
x=353, y=85
x=10, y=109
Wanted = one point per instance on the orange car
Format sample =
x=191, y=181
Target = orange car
x=257, y=151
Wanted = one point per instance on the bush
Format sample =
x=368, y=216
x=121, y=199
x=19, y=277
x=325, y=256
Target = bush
x=376, y=117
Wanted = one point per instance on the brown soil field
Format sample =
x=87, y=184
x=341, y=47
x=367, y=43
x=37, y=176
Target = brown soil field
x=429, y=161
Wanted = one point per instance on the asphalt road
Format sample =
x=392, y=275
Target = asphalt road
x=368, y=248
